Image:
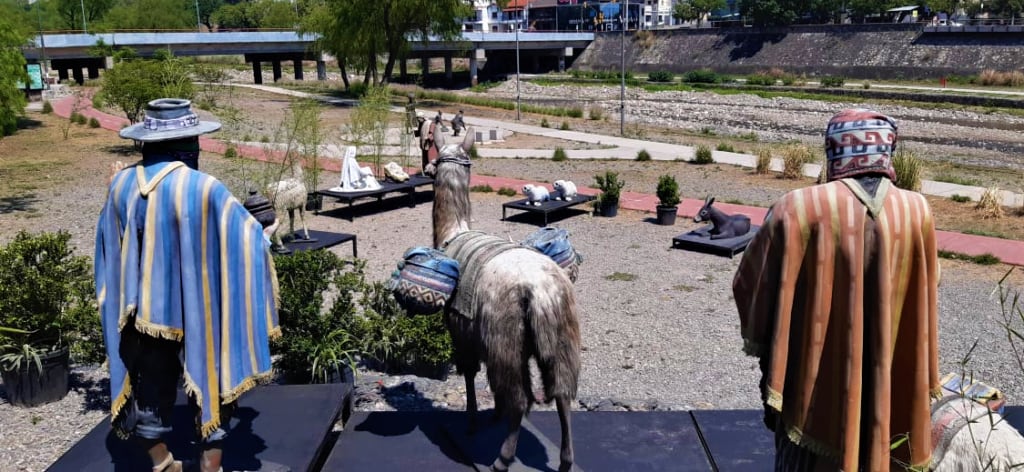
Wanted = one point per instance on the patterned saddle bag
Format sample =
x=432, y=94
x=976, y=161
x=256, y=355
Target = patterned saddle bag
x=554, y=243
x=424, y=280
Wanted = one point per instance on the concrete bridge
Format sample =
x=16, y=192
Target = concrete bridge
x=71, y=52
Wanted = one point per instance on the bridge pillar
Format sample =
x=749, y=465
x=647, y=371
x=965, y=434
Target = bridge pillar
x=62, y=74
x=474, y=65
x=321, y=70
x=276, y=64
x=257, y=71
x=424, y=66
x=448, y=67
x=297, y=64
x=94, y=72
x=403, y=69
x=77, y=73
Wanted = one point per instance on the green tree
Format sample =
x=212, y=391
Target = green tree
x=368, y=29
x=771, y=12
x=1008, y=8
x=234, y=17
x=696, y=9
x=13, y=37
x=131, y=84
x=206, y=11
x=70, y=12
x=150, y=14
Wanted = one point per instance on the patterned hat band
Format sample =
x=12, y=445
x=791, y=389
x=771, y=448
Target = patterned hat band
x=158, y=124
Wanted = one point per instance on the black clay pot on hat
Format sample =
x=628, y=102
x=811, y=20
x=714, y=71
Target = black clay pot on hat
x=260, y=208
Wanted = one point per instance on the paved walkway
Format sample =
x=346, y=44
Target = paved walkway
x=1009, y=251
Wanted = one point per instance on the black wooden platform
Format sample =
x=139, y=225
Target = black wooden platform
x=408, y=188
x=699, y=240
x=274, y=425
x=545, y=208
x=320, y=240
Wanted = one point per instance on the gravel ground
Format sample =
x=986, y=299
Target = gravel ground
x=668, y=339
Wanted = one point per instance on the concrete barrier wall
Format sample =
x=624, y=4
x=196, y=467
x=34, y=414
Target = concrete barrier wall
x=855, y=51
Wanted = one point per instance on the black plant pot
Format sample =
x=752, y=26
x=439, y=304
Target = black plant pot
x=666, y=215
x=314, y=202
x=609, y=211
x=28, y=387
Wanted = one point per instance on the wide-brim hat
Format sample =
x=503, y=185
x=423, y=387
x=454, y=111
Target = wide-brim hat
x=167, y=119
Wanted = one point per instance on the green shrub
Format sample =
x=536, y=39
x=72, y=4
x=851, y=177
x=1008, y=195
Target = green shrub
x=559, y=155
x=643, y=155
x=724, y=147
x=908, y=167
x=610, y=187
x=764, y=160
x=983, y=259
x=960, y=198
x=702, y=76
x=575, y=112
x=47, y=107
x=866, y=85
x=94, y=123
x=400, y=343
x=788, y=79
x=668, y=191
x=316, y=341
x=544, y=123
x=661, y=76
x=708, y=131
x=830, y=81
x=481, y=188
x=565, y=126
x=507, y=191
x=231, y=152
x=596, y=113
x=473, y=153
x=703, y=155
x=760, y=79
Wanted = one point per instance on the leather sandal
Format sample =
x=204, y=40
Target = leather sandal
x=169, y=465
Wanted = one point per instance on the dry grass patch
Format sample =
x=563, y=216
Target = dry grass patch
x=793, y=159
x=764, y=160
x=990, y=205
x=963, y=218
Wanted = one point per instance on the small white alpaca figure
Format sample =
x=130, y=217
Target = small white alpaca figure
x=536, y=194
x=289, y=194
x=565, y=190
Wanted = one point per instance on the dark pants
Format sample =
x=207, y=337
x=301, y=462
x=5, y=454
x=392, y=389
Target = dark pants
x=154, y=369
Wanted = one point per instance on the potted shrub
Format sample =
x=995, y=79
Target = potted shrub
x=611, y=189
x=668, y=200
x=48, y=312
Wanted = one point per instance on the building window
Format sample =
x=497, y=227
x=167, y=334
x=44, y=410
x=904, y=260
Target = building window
x=494, y=15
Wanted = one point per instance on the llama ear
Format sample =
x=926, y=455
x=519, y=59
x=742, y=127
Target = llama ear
x=469, y=140
x=711, y=200
x=439, y=138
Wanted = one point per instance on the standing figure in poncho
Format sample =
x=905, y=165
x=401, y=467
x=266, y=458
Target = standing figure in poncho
x=837, y=297
x=185, y=285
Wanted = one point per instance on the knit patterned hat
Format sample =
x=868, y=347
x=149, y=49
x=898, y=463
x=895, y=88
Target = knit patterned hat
x=859, y=141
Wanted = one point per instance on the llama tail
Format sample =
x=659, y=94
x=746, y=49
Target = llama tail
x=553, y=321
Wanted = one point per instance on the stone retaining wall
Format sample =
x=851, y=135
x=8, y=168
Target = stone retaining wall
x=883, y=51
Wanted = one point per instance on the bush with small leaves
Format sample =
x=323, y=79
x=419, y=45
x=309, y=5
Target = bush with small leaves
x=661, y=76
x=575, y=112
x=94, y=123
x=866, y=85
x=960, y=198
x=230, y=152
x=47, y=107
x=507, y=191
x=833, y=81
x=702, y=76
x=473, y=153
x=725, y=147
x=760, y=79
x=544, y=123
x=559, y=155
x=485, y=188
x=703, y=155
x=596, y=113
x=643, y=155
x=565, y=126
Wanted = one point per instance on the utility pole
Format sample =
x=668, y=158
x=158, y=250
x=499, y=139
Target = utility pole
x=518, y=105
x=85, y=27
x=199, y=22
x=622, y=89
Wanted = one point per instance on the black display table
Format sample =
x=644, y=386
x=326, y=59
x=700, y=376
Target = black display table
x=545, y=208
x=408, y=187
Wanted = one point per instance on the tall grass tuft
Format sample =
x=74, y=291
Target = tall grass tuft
x=908, y=168
x=764, y=160
x=991, y=205
x=793, y=159
x=643, y=156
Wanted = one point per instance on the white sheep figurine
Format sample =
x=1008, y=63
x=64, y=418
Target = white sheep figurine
x=536, y=194
x=565, y=190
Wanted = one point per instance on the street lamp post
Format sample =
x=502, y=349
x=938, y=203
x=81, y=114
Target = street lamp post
x=199, y=22
x=85, y=27
x=622, y=55
x=518, y=105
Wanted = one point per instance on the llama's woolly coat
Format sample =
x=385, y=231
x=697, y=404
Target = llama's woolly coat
x=837, y=295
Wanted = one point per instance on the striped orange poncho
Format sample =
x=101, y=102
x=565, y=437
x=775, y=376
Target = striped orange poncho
x=837, y=295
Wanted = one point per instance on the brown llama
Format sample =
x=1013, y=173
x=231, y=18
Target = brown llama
x=512, y=303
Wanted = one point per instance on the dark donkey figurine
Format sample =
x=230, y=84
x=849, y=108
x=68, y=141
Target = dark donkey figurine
x=723, y=226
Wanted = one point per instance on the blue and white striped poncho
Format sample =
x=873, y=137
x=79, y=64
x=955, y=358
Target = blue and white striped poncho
x=180, y=258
